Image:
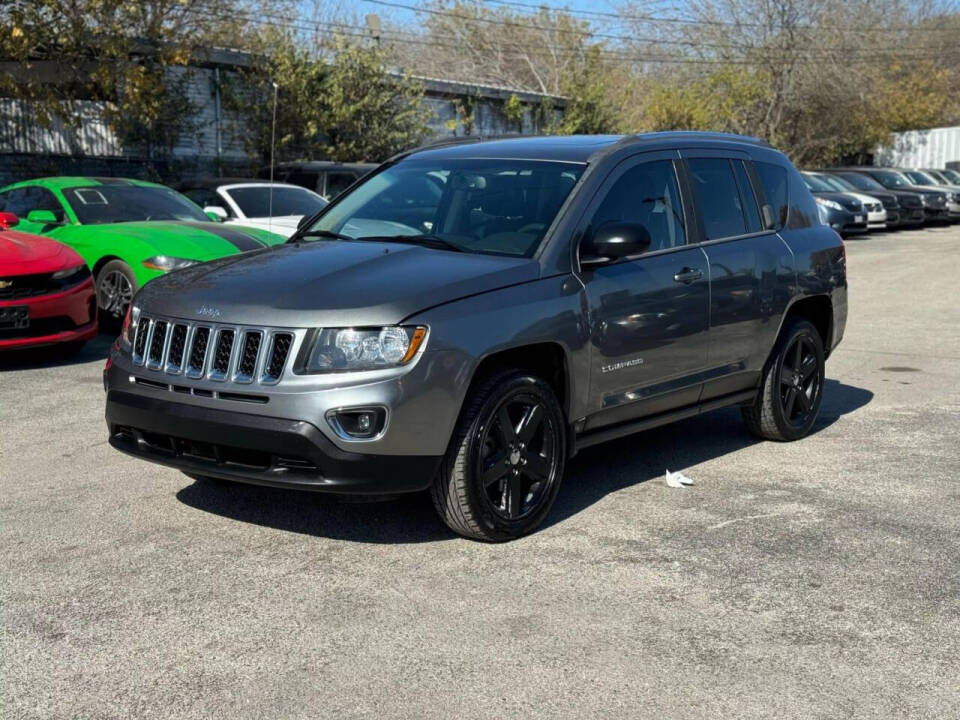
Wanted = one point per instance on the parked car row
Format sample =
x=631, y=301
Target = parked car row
x=122, y=234
x=855, y=200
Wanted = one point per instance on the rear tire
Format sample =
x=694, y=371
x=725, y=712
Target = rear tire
x=789, y=400
x=502, y=470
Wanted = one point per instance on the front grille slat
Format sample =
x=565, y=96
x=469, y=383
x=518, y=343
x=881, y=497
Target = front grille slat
x=178, y=345
x=223, y=353
x=198, y=352
x=249, y=352
x=279, y=350
x=157, y=343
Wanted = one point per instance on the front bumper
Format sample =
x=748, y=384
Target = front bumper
x=256, y=449
x=69, y=316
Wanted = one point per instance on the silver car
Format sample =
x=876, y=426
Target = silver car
x=471, y=315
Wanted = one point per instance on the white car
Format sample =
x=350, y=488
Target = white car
x=276, y=207
x=876, y=214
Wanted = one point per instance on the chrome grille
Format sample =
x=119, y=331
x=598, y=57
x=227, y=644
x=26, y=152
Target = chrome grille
x=216, y=352
x=221, y=354
x=198, y=352
x=157, y=340
x=278, y=356
x=178, y=345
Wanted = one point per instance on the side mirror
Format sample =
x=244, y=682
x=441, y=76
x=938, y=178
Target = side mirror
x=42, y=217
x=8, y=220
x=613, y=241
x=216, y=213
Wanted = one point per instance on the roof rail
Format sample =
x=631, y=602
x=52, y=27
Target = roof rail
x=704, y=134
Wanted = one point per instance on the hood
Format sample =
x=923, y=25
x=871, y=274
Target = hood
x=866, y=199
x=188, y=239
x=26, y=254
x=330, y=284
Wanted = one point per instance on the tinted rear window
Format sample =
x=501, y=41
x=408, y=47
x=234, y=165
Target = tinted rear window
x=773, y=180
x=719, y=198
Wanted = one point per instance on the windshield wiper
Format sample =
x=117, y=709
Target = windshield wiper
x=321, y=234
x=431, y=241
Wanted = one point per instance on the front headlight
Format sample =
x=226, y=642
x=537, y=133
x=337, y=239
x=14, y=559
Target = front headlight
x=826, y=202
x=129, y=329
x=166, y=264
x=353, y=349
x=73, y=273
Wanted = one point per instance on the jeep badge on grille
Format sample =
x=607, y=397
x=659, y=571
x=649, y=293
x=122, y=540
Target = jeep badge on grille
x=207, y=311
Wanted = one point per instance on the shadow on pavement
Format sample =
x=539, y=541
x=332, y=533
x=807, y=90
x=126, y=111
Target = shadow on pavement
x=57, y=355
x=592, y=475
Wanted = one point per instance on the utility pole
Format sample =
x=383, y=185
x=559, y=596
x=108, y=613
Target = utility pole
x=273, y=143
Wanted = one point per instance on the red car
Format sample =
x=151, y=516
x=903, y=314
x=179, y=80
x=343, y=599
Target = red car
x=46, y=291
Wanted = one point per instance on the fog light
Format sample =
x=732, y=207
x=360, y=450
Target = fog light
x=358, y=423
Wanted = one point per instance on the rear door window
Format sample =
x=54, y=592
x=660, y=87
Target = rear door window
x=718, y=196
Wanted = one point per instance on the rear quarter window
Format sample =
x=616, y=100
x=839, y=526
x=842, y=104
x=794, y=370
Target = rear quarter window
x=775, y=183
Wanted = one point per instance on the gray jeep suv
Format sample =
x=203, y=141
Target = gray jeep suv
x=471, y=315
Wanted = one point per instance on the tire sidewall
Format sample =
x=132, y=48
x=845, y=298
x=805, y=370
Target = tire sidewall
x=498, y=527
x=800, y=328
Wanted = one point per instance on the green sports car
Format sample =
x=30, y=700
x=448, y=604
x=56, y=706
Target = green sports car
x=128, y=231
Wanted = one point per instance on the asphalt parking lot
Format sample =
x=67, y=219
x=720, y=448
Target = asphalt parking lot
x=814, y=579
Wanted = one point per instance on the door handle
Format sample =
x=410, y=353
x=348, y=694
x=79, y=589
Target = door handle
x=688, y=275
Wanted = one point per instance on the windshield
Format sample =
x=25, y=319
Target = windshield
x=861, y=182
x=952, y=175
x=938, y=176
x=130, y=203
x=891, y=179
x=836, y=183
x=254, y=201
x=500, y=207
x=816, y=184
x=919, y=178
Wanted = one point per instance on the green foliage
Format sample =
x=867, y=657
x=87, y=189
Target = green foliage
x=513, y=111
x=588, y=110
x=347, y=107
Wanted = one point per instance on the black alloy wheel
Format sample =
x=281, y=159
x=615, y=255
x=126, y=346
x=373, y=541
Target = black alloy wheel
x=800, y=381
x=517, y=461
x=789, y=397
x=502, y=470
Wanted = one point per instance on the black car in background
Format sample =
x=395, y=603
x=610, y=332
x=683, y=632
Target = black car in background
x=324, y=177
x=934, y=201
x=911, y=203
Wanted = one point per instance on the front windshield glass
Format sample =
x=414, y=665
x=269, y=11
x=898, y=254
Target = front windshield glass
x=919, y=178
x=862, y=182
x=952, y=175
x=891, y=179
x=938, y=176
x=816, y=184
x=500, y=207
x=254, y=201
x=130, y=203
x=838, y=184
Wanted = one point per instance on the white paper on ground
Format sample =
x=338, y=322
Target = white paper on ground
x=677, y=479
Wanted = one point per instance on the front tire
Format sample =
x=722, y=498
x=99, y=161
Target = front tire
x=503, y=468
x=116, y=287
x=789, y=400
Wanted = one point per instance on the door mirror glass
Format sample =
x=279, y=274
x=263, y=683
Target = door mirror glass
x=613, y=241
x=8, y=220
x=215, y=213
x=42, y=217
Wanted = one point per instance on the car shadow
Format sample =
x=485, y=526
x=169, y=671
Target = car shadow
x=591, y=475
x=57, y=355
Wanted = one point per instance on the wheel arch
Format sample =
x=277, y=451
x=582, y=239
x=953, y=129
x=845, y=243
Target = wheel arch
x=547, y=360
x=98, y=265
x=818, y=311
